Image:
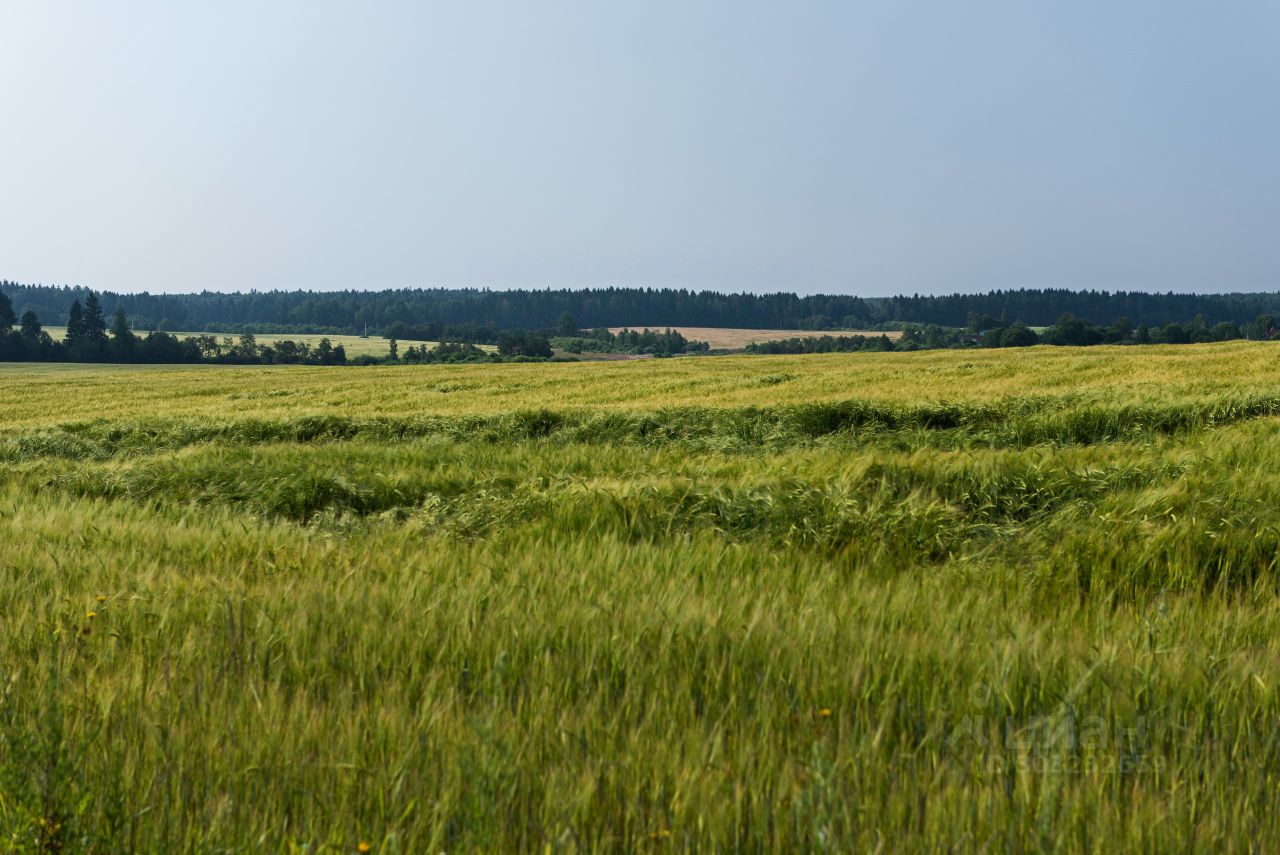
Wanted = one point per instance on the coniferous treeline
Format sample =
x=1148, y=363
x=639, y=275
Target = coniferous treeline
x=436, y=331
x=353, y=312
x=564, y=336
x=1043, y=307
x=667, y=342
x=90, y=339
x=465, y=314
x=984, y=331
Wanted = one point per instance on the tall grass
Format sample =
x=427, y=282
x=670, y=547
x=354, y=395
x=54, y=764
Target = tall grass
x=1023, y=618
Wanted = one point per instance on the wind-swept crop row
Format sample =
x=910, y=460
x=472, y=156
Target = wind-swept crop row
x=1012, y=423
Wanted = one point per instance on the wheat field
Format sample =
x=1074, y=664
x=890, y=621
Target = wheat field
x=941, y=600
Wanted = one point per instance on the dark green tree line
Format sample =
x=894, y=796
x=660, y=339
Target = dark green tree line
x=478, y=315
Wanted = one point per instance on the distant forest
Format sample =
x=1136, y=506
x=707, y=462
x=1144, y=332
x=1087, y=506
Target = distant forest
x=357, y=311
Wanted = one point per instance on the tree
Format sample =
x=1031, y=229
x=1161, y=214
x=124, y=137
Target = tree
x=976, y=322
x=31, y=325
x=567, y=325
x=1225, y=331
x=123, y=341
x=815, y=322
x=120, y=331
x=853, y=322
x=1070, y=330
x=1018, y=335
x=7, y=317
x=247, y=348
x=95, y=324
x=324, y=350
x=394, y=350
x=75, y=324
x=523, y=344
x=291, y=351
x=1262, y=327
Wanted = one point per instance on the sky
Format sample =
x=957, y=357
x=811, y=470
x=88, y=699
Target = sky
x=871, y=148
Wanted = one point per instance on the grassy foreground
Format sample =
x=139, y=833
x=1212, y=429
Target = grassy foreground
x=870, y=601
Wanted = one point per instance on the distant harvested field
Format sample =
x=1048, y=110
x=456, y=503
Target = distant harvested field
x=731, y=339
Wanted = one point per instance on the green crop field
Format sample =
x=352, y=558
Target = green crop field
x=1004, y=600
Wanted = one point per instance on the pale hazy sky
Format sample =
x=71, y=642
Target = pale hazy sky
x=852, y=147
